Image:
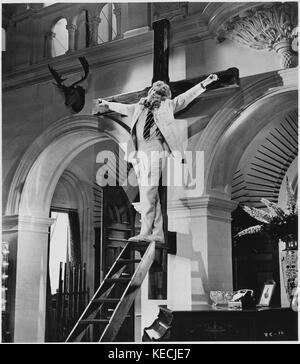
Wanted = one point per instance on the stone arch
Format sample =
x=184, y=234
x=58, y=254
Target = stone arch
x=112, y=30
x=89, y=7
x=44, y=162
x=99, y=7
x=26, y=224
x=228, y=133
x=75, y=187
x=238, y=136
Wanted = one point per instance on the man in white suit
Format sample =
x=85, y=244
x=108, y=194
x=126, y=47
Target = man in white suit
x=153, y=136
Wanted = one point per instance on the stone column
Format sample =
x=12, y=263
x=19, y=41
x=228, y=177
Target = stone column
x=71, y=28
x=28, y=244
x=96, y=20
x=48, y=44
x=203, y=227
x=267, y=27
x=117, y=12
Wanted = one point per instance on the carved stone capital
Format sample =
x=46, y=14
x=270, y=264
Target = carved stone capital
x=117, y=11
x=50, y=35
x=96, y=20
x=269, y=26
x=71, y=27
x=210, y=207
x=287, y=57
x=295, y=34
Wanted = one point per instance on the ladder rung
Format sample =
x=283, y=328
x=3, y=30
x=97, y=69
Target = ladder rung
x=128, y=261
x=118, y=228
x=118, y=239
x=94, y=321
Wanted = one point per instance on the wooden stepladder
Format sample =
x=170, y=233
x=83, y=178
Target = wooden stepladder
x=110, y=304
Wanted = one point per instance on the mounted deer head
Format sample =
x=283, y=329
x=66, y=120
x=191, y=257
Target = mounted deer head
x=74, y=94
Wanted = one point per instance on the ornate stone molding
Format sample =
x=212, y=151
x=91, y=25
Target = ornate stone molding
x=267, y=27
x=35, y=6
x=204, y=206
x=185, y=32
x=26, y=223
x=85, y=127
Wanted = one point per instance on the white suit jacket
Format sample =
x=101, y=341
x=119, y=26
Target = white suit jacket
x=163, y=117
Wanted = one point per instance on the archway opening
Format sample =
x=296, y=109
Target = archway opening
x=260, y=156
x=260, y=174
x=107, y=29
x=247, y=161
x=60, y=40
x=94, y=219
x=29, y=202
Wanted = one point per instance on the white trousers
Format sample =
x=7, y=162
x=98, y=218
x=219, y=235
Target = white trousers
x=149, y=165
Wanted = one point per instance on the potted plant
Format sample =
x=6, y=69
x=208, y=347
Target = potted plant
x=279, y=225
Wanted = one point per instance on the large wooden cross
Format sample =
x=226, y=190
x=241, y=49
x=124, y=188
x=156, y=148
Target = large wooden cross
x=161, y=30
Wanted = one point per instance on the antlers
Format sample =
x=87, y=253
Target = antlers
x=74, y=95
x=56, y=76
x=59, y=80
x=85, y=67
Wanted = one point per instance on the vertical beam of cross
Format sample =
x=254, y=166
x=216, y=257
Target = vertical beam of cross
x=161, y=30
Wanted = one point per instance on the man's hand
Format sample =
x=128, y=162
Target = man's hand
x=211, y=78
x=100, y=106
x=102, y=102
x=103, y=105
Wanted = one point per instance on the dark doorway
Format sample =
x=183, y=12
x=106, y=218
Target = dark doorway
x=116, y=226
x=255, y=258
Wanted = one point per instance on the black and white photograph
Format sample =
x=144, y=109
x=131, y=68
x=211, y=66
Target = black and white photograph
x=149, y=171
x=267, y=293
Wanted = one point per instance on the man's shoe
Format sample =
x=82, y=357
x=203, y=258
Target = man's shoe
x=140, y=237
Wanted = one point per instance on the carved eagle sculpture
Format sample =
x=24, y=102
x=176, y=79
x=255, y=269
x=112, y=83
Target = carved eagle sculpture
x=74, y=94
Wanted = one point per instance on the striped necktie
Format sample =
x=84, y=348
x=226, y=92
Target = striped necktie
x=148, y=124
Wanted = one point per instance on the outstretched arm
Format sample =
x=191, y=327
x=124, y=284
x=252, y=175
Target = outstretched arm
x=181, y=101
x=124, y=109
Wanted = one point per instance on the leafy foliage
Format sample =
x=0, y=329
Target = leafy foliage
x=276, y=223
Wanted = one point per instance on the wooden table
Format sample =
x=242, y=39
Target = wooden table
x=205, y=323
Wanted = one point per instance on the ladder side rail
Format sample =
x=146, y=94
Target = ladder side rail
x=111, y=271
x=129, y=295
